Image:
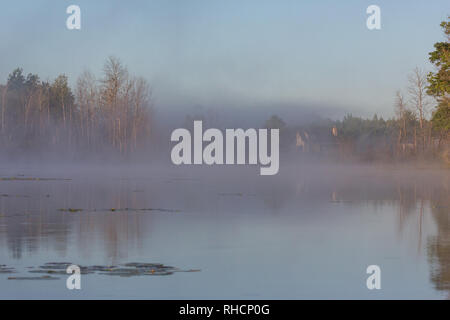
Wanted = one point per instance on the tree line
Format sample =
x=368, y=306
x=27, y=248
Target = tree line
x=112, y=112
x=420, y=128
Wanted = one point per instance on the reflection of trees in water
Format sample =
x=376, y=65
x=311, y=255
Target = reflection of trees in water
x=32, y=222
x=414, y=195
x=26, y=230
x=31, y=219
x=276, y=196
x=417, y=197
x=439, y=245
x=407, y=199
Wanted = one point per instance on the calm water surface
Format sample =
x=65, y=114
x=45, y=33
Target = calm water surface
x=309, y=232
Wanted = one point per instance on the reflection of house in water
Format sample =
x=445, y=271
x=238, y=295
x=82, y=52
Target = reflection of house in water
x=316, y=142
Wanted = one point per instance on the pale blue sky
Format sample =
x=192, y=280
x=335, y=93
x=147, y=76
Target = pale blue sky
x=232, y=53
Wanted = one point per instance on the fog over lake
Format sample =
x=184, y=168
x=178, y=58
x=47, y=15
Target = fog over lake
x=204, y=150
x=308, y=232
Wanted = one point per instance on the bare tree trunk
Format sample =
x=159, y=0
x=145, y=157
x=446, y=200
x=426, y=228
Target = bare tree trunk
x=4, y=93
x=415, y=140
x=417, y=89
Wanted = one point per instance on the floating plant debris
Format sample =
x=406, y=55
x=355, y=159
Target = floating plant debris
x=32, y=179
x=147, y=209
x=136, y=210
x=48, y=271
x=130, y=269
x=236, y=194
x=34, y=278
x=14, y=196
x=143, y=265
x=341, y=201
x=141, y=269
x=73, y=210
x=438, y=206
x=70, y=210
x=5, y=269
x=6, y=195
x=127, y=272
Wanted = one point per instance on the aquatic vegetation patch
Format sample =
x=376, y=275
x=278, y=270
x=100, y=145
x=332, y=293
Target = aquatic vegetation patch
x=144, y=269
x=5, y=269
x=34, y=278
x=74, y=210
x=146, y=209
x=32, y=179
x=131, y=269
x=4, y=195
x=70, y=210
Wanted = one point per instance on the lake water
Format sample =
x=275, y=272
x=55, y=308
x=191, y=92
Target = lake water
x=309, y=232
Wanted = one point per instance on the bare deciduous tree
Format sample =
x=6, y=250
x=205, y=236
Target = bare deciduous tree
x=400, y=110
x=114, y=111
x=417, y=90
